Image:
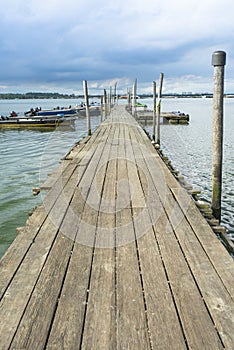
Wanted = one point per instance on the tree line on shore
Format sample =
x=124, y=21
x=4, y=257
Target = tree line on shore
x=56, y=95
x=35, y=95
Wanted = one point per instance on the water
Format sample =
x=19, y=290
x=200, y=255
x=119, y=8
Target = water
x=189, y=147
x=27, y=156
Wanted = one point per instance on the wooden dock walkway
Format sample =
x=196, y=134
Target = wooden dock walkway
x=145, y=117
x=117, y=257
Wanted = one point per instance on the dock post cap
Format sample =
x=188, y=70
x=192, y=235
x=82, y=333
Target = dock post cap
x=219, y=58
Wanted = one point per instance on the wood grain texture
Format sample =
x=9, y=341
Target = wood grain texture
x=116, y=257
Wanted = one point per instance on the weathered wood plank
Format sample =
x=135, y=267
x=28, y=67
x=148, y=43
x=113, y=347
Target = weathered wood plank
x=36, y=256
x=53, y=177
x=213, y=290
x=198, y=327
x=99, y=326
x=222, y=262
x=164, y=325
x=42, y=304
x=117, y=258
x=136, y=193
x=68, y=323
x=32, y=332
x=16, y=252
x=122, y=188
x=19, y=291
x=66, y=332
x=132, y=327
x=101, y=299
x=161, y=311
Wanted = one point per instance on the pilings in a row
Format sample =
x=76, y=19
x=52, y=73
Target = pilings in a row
x=156, y=107
x=218, y=61
x=86, y=95
x=107, y=102
x=204, y=207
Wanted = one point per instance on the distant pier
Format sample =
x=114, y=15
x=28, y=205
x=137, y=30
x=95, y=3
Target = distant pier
x=146, y=117
x=117, y=256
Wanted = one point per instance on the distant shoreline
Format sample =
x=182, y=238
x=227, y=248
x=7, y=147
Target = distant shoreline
x=54, y=96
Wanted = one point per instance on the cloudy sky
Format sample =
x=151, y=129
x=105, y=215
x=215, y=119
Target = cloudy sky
x=53, y=45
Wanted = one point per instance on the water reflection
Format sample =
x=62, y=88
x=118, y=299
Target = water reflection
x=190, y=149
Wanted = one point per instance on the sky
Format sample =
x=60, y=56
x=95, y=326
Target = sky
x=53, y=45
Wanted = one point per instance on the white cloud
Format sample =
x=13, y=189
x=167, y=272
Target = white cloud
x=42, y=11
x=57, y=40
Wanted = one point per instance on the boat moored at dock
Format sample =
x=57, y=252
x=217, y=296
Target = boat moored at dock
x=174, y=117
x=50, y=121
x=53, y=112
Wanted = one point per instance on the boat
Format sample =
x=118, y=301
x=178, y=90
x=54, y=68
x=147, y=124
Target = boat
x=77, y=111
x=51, y=112
x=45, y=121
x=138, y=104
x=45, y=118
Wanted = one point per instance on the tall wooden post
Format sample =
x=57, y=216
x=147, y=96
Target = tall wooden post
x=134, y=97
x=110, y=99
x=154, y=110
x=87, y=106
x=218, y=61
x=129, y=99
x=105, y=104
x=159, y=109
x=101, y=110
x=115, y=93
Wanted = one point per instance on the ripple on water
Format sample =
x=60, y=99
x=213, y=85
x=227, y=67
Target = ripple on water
x=190, y=150
x=27, y=156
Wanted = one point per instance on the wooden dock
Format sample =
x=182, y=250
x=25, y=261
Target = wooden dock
x=117, y=257
x=145, y=117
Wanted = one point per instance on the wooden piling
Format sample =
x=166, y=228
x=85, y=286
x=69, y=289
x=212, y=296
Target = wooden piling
x=87, y=106
x=154, y=110
x=218, y=61
x=101, y=110
x=129, y=98
x=159, y=109
x=105, y=103
x=110, y=99
x=115, y=93
x=134, y=97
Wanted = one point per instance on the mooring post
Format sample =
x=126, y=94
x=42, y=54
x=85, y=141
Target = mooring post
x=87, y=106
x=154, y=110
x=129, y=99
x=159, y=109
x=134, y=97
x=101, y=110
x=115, y=93
x=218, y=61
x=105, y=104
x=110, y=99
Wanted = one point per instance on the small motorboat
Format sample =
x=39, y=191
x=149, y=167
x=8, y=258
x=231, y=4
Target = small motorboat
x=51, y=112
x=46, y=121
